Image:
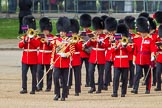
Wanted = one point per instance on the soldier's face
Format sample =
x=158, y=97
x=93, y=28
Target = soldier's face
x=62, y=34
x=46, y=32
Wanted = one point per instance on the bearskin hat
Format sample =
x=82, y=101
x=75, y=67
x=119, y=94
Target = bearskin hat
x=85, y=20
x=144, y=14
x=45, y=24
x=152, y=23
x=160, y=31
x=158, y=16
x=143, y=25
x=110, y=24
x=97, y=23
x=63, y=24
x=130, y=22
x=103, y=17
x=74, y=27
x=120, y=21
x=29, y=21
x=123, y=29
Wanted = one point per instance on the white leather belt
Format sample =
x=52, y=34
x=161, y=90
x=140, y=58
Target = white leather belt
x=59, y=53
x=98, y=49
x=76, y=52
x=124, y=56
x=109, y=48
x=45, y=51
x=30, y=50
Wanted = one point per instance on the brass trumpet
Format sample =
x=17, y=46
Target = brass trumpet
x=30, y=33
x=124, y=40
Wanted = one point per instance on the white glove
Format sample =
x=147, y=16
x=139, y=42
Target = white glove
x=152, y=58
x=134, y=63
x=123, y=43
x=100, y=40
x=51, y=66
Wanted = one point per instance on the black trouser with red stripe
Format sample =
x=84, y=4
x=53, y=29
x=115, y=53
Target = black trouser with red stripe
x=41, y=73
x=108, y=75
x=158, y=74
x=131, y=71
x=100, y=75
x=63, y=73
x=85, y=60
x=147, y=72
x=123, y=72
x=77, y=75
x=33, y=69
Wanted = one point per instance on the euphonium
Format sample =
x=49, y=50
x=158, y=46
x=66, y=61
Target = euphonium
x=74, y=39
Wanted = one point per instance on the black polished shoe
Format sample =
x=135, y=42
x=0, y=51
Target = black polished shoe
x=98, y=91
x=105, y=88
x=32, y=92
x=86, y=85
x=56, y=97
x=122, y=95
x=92, y=90
x=69, y=87
x=157, y=89
x=130, y=86
x=47, y=90
x=153, y=84
x=109, y=84
x=114, y=95
x=96, y=83
x=23, y=91
x=62, y=99
x=76, y=94
x=38, y=89
x=147, y=92
x=134, y=91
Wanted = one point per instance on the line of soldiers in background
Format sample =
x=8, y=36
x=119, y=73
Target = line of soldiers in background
x=112, y=46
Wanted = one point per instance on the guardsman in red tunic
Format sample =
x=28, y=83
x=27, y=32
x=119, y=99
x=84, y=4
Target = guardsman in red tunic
x=110, y=26
x=44, y=54
x=144, y=51
x=159, y=59
x=85, y=23
x=121, y=61
x=62, y=58
x=130, y=22
x=76, y=60
x=97, y=54
x=29, y=44
x=154, y=35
